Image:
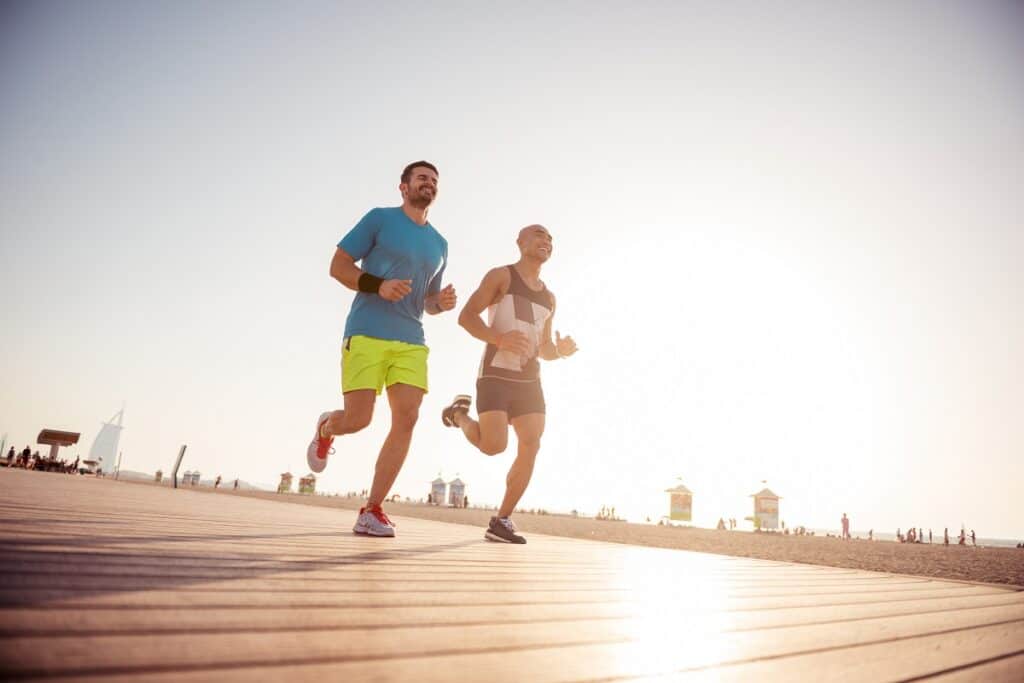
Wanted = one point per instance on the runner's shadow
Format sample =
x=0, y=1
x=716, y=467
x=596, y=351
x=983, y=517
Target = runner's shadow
x=36, y=576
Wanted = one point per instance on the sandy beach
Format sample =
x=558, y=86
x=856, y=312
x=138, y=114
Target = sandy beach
x=1003, y=566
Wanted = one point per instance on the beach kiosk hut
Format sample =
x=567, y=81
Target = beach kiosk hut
x=195, y=478
x=159, y=476
x=186, y=479
x=437, y=490
x=766, y=509
x=308, y=484
x=55, y=438
x=680, y=504
x=286, y=483
x=456, y=492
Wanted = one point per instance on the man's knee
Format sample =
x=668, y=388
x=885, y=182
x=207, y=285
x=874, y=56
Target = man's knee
x=529, y=444
x=405, y=417
x=493, y=446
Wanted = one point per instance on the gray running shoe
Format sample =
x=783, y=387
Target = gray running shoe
x=460, y=402
x=373, y=522
x=502, y=530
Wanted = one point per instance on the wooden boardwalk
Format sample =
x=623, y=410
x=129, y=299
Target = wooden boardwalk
x=112, y=581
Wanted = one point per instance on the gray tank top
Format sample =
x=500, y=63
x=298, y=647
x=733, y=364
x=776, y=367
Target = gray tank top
x=520, y=309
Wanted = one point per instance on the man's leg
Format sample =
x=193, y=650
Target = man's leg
x=529, y=429
x=356, y=416
x=490, y=434
x=405, y=403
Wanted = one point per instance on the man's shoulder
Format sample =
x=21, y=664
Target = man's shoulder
x=386, y=212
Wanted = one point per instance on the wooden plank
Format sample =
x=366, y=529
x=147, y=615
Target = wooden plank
x=1008, y=668
x=890, y=660
x=246, y=600
x=673, y=656
x=301, y=582
x=30, y=621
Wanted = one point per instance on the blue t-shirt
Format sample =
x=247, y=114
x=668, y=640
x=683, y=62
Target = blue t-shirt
x=393, y=247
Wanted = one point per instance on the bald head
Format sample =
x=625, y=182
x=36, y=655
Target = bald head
x=535, y=241
x=529, y=229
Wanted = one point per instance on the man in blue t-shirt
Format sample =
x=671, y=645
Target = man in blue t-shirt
x=401, y=262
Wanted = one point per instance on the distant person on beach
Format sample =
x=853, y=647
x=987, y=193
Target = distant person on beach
x=945, y=536
x=10, y=456
x=216, y=483
x=929, y=536
x=845, y=522
x=520, y=309
x=402, y=259
x=871, y=534
x=974, y=540
x=963, y=537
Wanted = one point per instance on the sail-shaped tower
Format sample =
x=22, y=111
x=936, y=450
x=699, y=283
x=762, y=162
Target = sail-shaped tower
x=104, y=448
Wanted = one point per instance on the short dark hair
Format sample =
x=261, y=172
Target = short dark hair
x=407, y=171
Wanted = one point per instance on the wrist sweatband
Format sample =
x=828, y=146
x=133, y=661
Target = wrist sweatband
x=369, y=283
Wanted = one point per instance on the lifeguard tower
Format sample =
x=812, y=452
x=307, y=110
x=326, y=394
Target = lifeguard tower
x=680, y=504
x=308, y=484
x=286, y=483
x=766, y=509
x=456, y=492
x=437, y=490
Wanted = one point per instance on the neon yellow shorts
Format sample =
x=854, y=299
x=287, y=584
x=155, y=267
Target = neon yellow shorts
x=371, y=363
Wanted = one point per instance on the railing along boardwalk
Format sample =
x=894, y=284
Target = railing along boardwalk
x=103, y=580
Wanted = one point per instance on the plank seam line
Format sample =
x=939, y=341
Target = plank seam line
x=62, y=607
x=964, y=667
x=822, y=650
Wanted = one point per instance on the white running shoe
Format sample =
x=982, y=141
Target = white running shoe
x=319, y=448
x=373, y=522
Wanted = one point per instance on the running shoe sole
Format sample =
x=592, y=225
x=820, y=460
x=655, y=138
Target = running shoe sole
x=460, y=402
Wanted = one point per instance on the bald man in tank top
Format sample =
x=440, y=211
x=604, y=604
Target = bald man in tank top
x=520, y=309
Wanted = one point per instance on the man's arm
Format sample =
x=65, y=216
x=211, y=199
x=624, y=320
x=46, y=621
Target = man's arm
x=440, y=302
x=345, y=271
x=492, y=287
x=561, y=347
x=546, y=349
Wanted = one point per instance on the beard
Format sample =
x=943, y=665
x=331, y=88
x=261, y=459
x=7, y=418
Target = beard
x=421, y=199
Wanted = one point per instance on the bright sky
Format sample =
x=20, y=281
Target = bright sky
x=788, y=240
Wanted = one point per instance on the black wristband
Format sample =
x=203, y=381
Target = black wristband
x=369, y=283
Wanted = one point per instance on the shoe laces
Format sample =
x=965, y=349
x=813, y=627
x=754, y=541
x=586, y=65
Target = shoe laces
x=507, y=523
x=377, y=512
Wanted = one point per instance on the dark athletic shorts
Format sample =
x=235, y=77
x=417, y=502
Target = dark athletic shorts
x=514, y=398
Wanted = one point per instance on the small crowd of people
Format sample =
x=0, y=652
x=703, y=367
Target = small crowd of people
x=917, y=535
x=34, y=461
